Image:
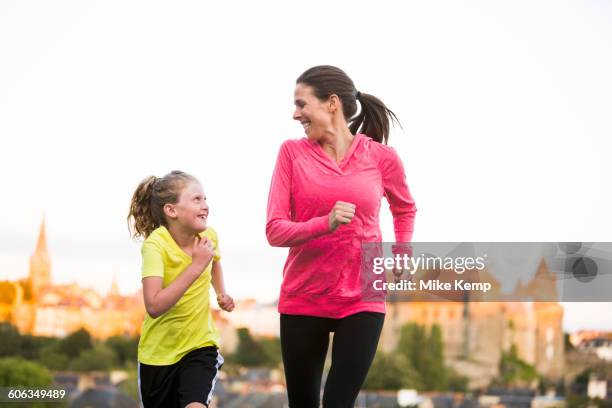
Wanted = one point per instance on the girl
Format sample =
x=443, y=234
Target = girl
x=324, y=202
x=178, y=353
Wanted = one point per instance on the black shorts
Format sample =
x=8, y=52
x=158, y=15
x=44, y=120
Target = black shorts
x=191, y=379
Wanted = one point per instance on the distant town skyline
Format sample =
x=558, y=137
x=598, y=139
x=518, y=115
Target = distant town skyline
x=576, y=315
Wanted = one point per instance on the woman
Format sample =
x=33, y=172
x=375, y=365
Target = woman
x=324, y=202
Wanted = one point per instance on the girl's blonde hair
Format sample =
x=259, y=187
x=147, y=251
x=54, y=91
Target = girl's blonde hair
x=147, y=206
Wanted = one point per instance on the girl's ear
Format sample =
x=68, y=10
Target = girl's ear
x=169, y=210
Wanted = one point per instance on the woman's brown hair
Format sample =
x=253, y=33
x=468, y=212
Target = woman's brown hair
x=374, y=117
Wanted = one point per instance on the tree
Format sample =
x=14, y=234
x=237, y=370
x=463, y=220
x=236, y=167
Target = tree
x=425, y=352
x=15, y=371
x=433, y=371
x=13, y=344
x=125, y=347
x=32, y=346
x=101, y=357
x=75, y=343
x=456, y=381
x=10, y=340
x=272, y=350
x=392, y=371
x=412, y=343
x=514, y=371
x=248, y=353
x=53, y=359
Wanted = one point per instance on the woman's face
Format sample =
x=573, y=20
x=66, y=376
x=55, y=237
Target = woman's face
x=314, y=115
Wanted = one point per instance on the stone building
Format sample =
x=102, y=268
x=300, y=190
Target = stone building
x=475, y=333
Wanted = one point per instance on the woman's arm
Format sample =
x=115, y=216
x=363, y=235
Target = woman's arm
x=398, y=195
x=281, y=231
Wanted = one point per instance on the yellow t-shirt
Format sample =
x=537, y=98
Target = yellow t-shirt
x=188, y=325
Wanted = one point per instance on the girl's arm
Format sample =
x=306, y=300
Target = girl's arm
x=159, y=300
x=217, y=278
x=281, y=231
x=225, y=301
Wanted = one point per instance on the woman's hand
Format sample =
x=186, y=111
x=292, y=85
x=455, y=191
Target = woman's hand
x=225, y=302
x=342, y=213
x=203, y=252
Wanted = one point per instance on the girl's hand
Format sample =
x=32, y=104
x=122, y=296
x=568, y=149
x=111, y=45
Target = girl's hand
x=203, y=252
x=342, y=213
x=225, y=302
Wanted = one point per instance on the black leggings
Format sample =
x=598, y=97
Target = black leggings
x=304, y=342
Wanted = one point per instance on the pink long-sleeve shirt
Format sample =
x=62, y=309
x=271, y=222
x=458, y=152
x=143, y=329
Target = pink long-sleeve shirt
x=321, y=276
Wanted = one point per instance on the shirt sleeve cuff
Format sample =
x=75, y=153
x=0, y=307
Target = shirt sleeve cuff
x=320, y=225
x=403, y=236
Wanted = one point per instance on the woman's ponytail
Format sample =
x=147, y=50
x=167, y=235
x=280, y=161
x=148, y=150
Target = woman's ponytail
x=373, y=119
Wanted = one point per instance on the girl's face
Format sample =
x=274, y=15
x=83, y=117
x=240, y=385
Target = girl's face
x=314, y=115
x=191, y=210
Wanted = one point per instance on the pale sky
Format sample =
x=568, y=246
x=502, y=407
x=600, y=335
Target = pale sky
x=505, y=107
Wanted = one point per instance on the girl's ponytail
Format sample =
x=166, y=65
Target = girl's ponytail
x=141, y=221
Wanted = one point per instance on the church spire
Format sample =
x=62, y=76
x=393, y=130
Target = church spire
x=40, y=264
x=114, y=289
x=41, y=245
